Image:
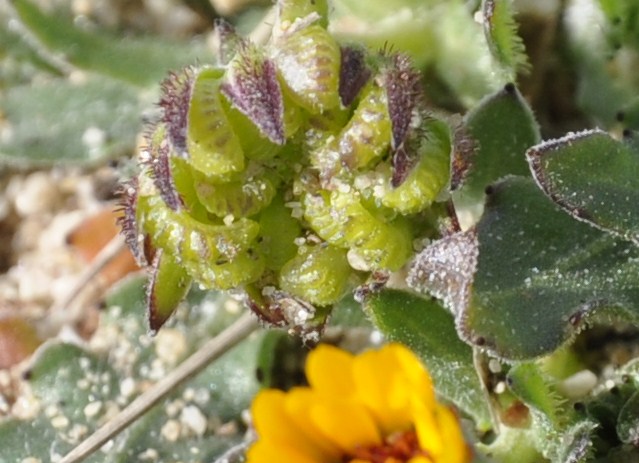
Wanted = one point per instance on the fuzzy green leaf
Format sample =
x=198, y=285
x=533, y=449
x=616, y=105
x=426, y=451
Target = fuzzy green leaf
x=594, y=177
x=141, y=61
x=541, y=274
x=491, y=143
x=59, y=122
x=500, y=30
x=537, y=390
x=429, y=330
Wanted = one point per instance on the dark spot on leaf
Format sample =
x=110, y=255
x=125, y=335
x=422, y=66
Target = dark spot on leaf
x=614, y=390
x=510, y=88
x=620, y=116
x=489, y=190
x=353, y=75
x=27, y=375
x=627, y=133
x=579, y=407
x=480, y=341
x=259, y=374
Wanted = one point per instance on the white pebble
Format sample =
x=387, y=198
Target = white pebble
x=170, y=346
x=579, y=384
x=92, y=409
x=38, y=194
x=171, y=430
x=193, y=419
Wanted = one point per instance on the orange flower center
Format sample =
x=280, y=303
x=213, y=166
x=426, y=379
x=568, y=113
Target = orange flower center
x=397, y=448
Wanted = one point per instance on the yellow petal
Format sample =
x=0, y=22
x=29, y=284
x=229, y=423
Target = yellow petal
x=347, y=424
x=299, y=404
x=274, y=425
x=264, y=451
x=329, y=371
x=379, y=386
x=417, y=378
x=440, y=435
x=456, y=448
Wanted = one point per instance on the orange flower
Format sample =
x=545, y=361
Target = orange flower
x=376, y=407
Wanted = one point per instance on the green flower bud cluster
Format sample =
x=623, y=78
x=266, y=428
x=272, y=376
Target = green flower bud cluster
x=291, y=171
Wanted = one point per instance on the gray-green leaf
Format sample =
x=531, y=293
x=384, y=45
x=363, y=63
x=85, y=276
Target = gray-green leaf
x=594, y=177
x=540, y=274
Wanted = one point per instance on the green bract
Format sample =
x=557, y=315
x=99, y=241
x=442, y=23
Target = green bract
x=291, y=171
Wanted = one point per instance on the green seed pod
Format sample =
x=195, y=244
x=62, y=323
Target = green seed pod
x=184, y=180
x=308, y=61
x=239, y=198
x=290, y=11
x=193, y=242
x=213, y=146
x=342, y=220
x=243, y=269
x=278, y=231
x=365, y=139
x=426, y=179
x=254, y=144
x=318, y=274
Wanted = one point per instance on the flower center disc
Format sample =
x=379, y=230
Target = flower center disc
x=397, y=448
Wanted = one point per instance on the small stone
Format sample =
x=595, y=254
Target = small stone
x=127, y=387
x=60, y=422
x=92, y=409
x=38, y=194
x=170, y=346
x=579, y=384
x=193, y=419
x=31, y=460
x=171, y=430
